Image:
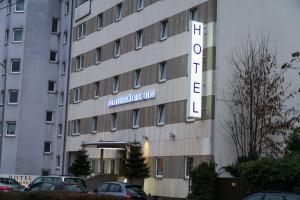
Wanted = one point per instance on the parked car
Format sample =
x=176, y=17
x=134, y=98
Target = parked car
x=58, y=186
x=58, y=179
x=124, y=190
x=273, y=196
x=9, y=184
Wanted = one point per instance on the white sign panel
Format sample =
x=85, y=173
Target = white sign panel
x=22, y=179
x=194, y=105
x=132, y=98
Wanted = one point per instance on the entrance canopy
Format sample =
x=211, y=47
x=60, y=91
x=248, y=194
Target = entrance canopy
x=115, y=145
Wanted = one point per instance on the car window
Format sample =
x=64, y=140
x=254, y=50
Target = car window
x=37, y=180
x=3, y=181
x=271, y=197
x=47, y=187
x=114, y=188
x=102, y=188
x=77, y=181
x=36, y=187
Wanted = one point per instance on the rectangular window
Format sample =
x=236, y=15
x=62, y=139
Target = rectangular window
x=13, y=96
x=135, y=118
x=2, y=98
x=63, y=68
x=159, y=167
x=4, y=67
x=77, y=95
x=65, y=37
x=194, y=14
x=15, y=65
x=19, y=7
x=58, y=161
x=11, y=128
x=47, y=147
x=160, y=114
x=79, y=63
x=117, y=50
x=139, y=39
x=51, y=86
x=55, y=25
x=6, y=36
x=164, y=30
x=76, y=127
x=99, y=21
x=115, y=84
x=49, y=116
x=81, y=30
x=98, y=55
x=101, y=165
x=96, y=89
x=8, y=7
x=61, y=98
x=139, y=5
x=119, y=12
x=94, y=124
x=67, y=6
x=60, y=130
x=114, y=121
x=188, y=166
x=17, y=34
x=112, y=166
x=162, y=72
x=53, y=57
x=136, y=78
x=93, y=165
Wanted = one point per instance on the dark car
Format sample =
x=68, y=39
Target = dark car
x=273, y=196
x=9, y=184
x=59, y=179
x=124, y=190
x=59, y=186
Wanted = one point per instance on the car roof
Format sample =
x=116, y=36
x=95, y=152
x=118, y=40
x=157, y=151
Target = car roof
x=54, y=176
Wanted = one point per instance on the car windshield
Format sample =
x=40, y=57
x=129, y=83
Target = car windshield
x=75, y=181
x=135, y=189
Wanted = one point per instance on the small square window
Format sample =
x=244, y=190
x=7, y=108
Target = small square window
x=77, y=95
x=139, y=39
x=60, y=131
x=51, y=86
x=135, y=118
x=19, y=7
x=53, y=56
x=162, y=72
x=164, y=30
x=139, y=5
x=81, y=30
x=115, y=84
x=67, y=6
x=49, y=116
x=114, y=121
x=11, y=128
x=2, y=98
x=17, y=36
x=15, y=65
x=6, y=37
x=94, y=124
x=117, y=50
x=136, y=78
x=161, y=114
x=188, y=166
x=194, y=14
x=76, y=127
x=47, y=147
x=13, y=96
x=98, y=55
x=61, y=98
x=58, y=161
x=159, y=167
x=79, y=63
x=96, y=89
x=55, y=25
x=65, y=37
x=63, y=68
x=99, y=21
x=119, y=12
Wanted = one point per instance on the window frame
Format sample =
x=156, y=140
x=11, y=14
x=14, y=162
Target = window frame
x=60, y=130
x=96, y=89
x=115, y=85
x=15, y=128
x=58, y=164
x=136, y=78
x=136, y=118
x=9, y=97
x=4, y=67
x=50, y=147
x=94, y=124
x=65, y=37
x=187, y=176
x=162, y=75
x=77, y=95
x=81, y=30
x=161, y=115
x=14, y=35
x=57, y=25
x=52, y=117
x=79, y=62
x=139, y=39
x=157, y=175
x=56, y=56
x=163, y=30
x=114, y=121
x=54, y=86
x=76, y=127
x=61, y=98
x=8, y=7
x=67, y=7
x=63, y=68
x=99, y=22
x=11, y=65
x=20, y=11
x=98, y=55
x=119, y=12
x=6, y=37
x=117, y=48
x=140, y=4
x=2, y=97
x=192, y=15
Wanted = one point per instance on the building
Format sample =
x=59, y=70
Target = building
x=129, y=80
x=34, y=54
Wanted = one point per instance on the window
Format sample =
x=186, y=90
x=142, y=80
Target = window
x=103, y=187
x=67, y=6
x=53, y=56
x=6, y=36
x=65, y=38
x=94, y=124
x=17, y=34
x=135, y=118
x=77, y=95
x=188, y=166
x=164, y=29
x=49, y=116
x=79, y=63
x=112, y=171
x=114, y=121
x=63, y=68
x=93, y=165
x=81, y=30
x=136, y=78
x=76, y=127
x=117, y=48
x=160, y=114
x=139, y=5
x=61, y=98
x=57, y=161
x=13, y=96
x=55, y=25
x=15, y=65
x=19, y=7
x=139, y=39
x=98, y=55
x=2, y=98
x=11, y=128
x=99, y=21
x=51, y=86
x=115, y=84
x=194, y=14
x=96, y=89
x=60, y=130
x=159, y=167
x=119, y=12
x=47, y=147
x=162, y=72
x=8, y=7
x=4, y=67
x=101, y=165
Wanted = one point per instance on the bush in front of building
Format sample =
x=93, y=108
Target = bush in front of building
x=203, y=182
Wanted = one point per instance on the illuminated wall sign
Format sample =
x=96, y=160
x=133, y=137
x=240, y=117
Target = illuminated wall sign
x=195, y=70
x=132, y=98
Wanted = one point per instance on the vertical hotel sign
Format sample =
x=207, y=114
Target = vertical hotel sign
x=194, y=104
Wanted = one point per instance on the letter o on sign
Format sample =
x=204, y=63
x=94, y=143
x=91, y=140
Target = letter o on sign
x=197, y=49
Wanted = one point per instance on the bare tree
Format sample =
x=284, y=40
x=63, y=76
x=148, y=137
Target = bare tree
x=259, y=111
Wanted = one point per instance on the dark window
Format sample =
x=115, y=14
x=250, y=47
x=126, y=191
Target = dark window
x=47, y=147
x=15, y=65
x=49, y=116
x=55, y=25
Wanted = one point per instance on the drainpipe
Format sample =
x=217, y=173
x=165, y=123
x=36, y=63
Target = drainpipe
x=3, y=109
